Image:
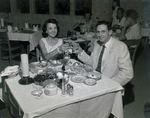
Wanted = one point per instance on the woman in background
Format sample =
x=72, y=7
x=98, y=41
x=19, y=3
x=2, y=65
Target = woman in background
x=51, y=46
x=115, y=6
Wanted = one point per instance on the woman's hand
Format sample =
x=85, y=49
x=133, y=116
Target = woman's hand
x=64, y=47
x=76, y=48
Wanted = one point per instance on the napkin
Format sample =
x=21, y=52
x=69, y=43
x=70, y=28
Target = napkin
x=35, y=28
x=9, y=28
x=26, y=25
x=2, y=22
x=146, y=24
x=10, y=70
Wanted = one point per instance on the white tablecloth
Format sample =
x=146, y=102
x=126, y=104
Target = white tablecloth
x=88, y=101
x=33, y=38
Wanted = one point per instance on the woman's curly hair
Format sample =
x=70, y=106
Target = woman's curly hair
x=44, y=28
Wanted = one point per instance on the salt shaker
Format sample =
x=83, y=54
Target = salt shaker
x=70, y=90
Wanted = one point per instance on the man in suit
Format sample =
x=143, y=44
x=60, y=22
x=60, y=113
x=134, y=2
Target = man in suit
x=115, y=61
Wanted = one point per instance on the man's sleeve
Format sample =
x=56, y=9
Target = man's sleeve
x=125, y=66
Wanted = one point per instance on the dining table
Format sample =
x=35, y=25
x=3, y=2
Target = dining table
x=87, y=101
x=30, y=36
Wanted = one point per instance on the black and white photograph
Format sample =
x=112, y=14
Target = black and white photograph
x=74, y=59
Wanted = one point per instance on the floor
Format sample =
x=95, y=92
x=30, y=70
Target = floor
x=139, y=88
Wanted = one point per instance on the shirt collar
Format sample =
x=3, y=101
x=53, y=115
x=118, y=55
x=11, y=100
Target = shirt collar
x=106, y=44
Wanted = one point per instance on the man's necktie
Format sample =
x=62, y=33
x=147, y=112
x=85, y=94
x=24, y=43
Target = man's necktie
x=100, y=60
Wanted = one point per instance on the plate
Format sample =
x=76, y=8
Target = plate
x=94, y=75
x=78, y=79
x=90, y=82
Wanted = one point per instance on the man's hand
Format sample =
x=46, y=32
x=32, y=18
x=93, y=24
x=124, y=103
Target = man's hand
x=127, y=22
x=76, y=48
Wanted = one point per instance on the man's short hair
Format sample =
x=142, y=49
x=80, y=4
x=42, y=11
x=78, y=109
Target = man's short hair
x=104, y=23
x=121, y=9
x=132, y=14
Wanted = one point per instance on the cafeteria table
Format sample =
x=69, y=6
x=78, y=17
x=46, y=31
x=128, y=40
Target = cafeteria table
x=32, y=37
x=96, y=101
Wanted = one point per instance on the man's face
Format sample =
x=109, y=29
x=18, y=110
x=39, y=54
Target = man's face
x=87, y=16
x=103, y=33
x=119, y=14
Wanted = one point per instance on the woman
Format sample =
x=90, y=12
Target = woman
x=86, y=22
x=51, y=46
x=115, y=6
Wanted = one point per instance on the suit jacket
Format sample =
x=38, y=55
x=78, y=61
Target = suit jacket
x=117, y=64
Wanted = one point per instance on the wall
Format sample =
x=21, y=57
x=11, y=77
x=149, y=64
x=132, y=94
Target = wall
x=100, y=8
x=66, y=22
x=141, y=6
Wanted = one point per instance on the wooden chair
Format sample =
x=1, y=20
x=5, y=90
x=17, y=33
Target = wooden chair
x=9, y=49
x=5, y=113
x=135, y=48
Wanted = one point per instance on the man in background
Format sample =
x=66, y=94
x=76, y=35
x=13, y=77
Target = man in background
x=131, y=29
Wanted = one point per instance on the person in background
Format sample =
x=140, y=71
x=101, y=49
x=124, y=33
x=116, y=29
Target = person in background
x=131, y=29
x=85, y=23
x=119, y=22
x=109, y=56
x=115, y=6
x=51, y=46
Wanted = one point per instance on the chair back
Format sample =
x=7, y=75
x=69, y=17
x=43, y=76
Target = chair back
x=5, y=40
x=137, y=51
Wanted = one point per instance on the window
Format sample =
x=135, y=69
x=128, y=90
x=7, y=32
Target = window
x=82, y=5
x=5, y=6
x=62, y=7
x=23, y=6
x=42, y=6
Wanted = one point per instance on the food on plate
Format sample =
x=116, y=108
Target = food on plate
x=88, y=68
x=40, y=79
x=90, y=82
x=78, y=79
x=55, y=62
x=94, y=75
x=43, y=63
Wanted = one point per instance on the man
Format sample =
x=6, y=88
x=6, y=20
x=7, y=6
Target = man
x=131, y=29
x=119, y=22
x=116, y=63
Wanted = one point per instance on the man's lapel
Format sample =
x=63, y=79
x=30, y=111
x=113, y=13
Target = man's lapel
x=110, y=50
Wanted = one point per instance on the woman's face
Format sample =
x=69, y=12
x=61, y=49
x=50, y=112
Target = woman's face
x=51, y=30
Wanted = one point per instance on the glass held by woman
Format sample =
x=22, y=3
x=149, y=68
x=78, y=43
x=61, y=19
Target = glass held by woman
x=51, y=46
